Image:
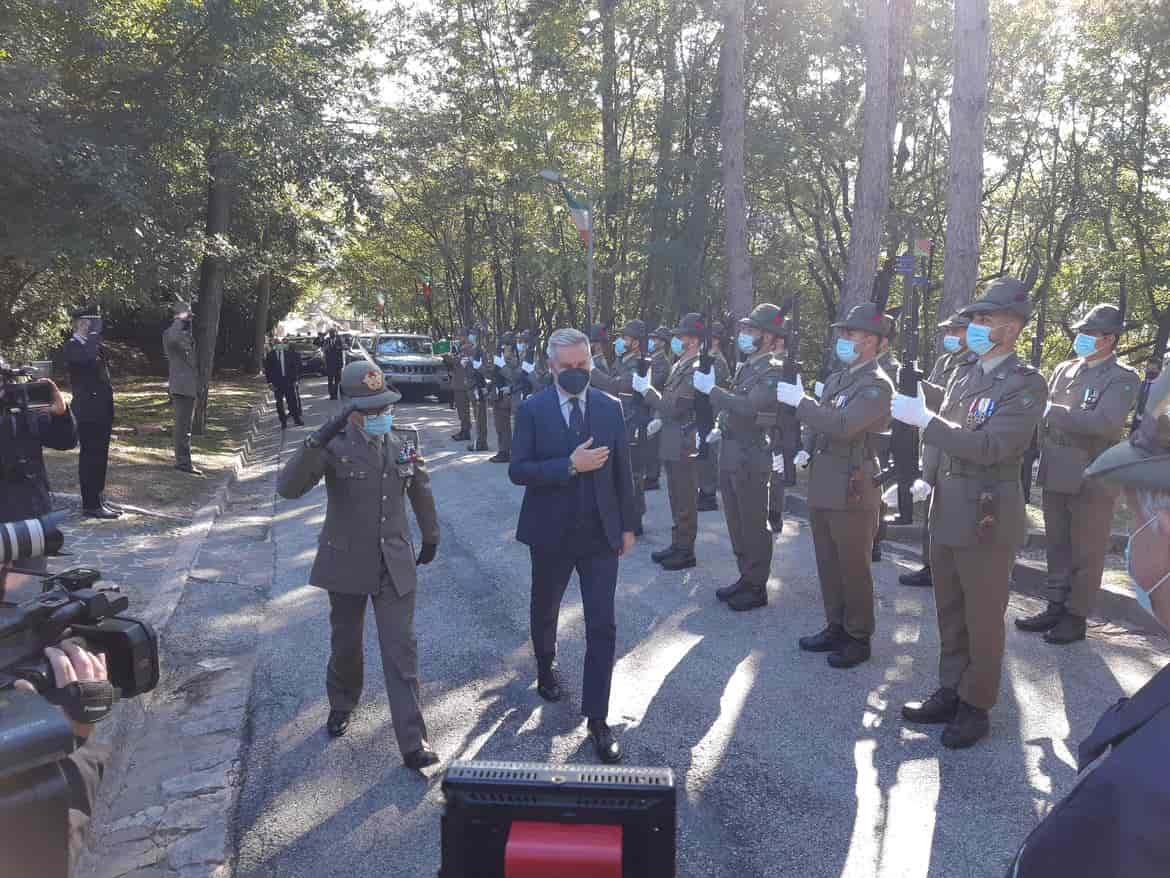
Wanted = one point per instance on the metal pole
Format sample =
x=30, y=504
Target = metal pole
x=589, y=302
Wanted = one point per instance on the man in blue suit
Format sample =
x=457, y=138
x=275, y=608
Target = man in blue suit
x=571, y=454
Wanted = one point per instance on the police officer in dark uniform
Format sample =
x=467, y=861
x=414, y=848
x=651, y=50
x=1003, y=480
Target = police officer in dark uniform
x=93, y=407
x=334, y=350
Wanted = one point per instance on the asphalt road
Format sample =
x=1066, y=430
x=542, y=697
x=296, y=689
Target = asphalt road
x=784, y=765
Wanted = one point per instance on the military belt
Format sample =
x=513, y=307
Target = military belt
x=1003, y=472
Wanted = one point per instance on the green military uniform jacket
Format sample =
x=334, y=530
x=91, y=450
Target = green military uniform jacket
x=366, y=527
x=1090, y=405
x=982, y=430
x=933, y=390
x=675, y=404
x=747, y=412
x=510, y=373
x=459, y=361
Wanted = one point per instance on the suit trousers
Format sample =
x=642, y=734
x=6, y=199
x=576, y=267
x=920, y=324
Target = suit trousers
x=479, y=406
x=93, y=439
x=843, y=539
x=637, y=467
x=334, y=379
x=394, y=616
x=682, y=484
x=287, y=393
x=503, y=418
x=745, y=506
x=462, y=400
x=971, y=585
x=596, y=565
x=1077, y=529
x=184, y=413
x=709, y=470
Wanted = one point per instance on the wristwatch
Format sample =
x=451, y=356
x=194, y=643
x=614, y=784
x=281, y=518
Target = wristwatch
x=572, y=469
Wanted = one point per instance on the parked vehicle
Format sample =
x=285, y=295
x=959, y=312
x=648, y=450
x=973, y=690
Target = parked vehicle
x=312, y=357
x=409, y=363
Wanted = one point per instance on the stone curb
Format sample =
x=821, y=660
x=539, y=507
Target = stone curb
x=1027, y=576
x=123, y=730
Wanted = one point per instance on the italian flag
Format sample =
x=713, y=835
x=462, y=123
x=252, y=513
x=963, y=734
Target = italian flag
x=427, y=285
x=579, y=214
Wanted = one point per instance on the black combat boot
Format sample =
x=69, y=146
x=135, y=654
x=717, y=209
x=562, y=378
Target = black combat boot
x=500, y=457
x=851, y=652
x=749, y=598
x=1044, y=621
x=728, y=590
x=1069, y=629
x=969, y=725
x=681, y=559
x=707, y=503
x=919, y=578
x=823, y=641
x=938, y=708
x=548, y=681
x=662, y=554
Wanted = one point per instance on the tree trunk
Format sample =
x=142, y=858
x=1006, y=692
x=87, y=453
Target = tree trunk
x=211, y=276
x=465, y=310
x=739, y=265
x=260, y=318
x=965, y=185
x=612, y=197
x=871, y=200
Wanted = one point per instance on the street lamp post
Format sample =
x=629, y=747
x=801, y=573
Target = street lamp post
x=591, y=200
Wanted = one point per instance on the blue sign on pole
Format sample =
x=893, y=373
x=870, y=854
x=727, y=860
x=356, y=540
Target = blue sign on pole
x=920, y=280
x=904, y=264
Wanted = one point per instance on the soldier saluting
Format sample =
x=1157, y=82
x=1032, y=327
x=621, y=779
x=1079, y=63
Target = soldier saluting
x=364, y=553
x=747, y=413
x=843, y=494
x=1089, y=398
x=977, y=523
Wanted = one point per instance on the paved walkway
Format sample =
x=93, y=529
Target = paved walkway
x=785, y=766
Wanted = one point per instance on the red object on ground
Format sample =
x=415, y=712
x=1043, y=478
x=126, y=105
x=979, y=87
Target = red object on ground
x=563, y=850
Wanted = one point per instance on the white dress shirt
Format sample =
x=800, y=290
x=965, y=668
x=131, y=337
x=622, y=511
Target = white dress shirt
x=566, y=404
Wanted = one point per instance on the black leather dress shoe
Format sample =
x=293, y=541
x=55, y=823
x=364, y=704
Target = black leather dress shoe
x=338, y=723
x=823, y=641
x=608, y=749
x=728, y=590
x=750, y=597
x=1069, y=629
x=659, y=556
x=917, y=579
x=680, y=560
x=461, y=436
x=548, y=683
x=1044, y=621
x=99, y=512
x=299, y=422
x=850, y=653
x=500, y=457
x=938, y=708
x=707, y=503
x=969, y=725
x=419, y=759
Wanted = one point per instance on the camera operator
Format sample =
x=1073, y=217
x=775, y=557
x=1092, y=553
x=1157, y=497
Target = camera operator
x=82, y=769
x=93, y=406
x=24, y=431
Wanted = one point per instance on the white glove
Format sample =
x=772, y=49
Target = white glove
x=499, y=361
x=641, y=383
x=778, y=464
x=714, y=436
x=819, y=389
x=801, y=459
x=698, y=440
x=505, y=390
x=704, y=381
x=465, y=362
x=790, y=394
x=477, y=364
x=920, y=490
x=654, y=426
x=890, y=495
x=528, y=367
x=911, y=410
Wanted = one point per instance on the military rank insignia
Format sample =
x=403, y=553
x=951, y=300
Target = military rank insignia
x=840, y=401
x=980, y=411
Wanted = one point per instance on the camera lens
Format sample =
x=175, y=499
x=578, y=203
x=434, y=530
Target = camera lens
x=30, y=538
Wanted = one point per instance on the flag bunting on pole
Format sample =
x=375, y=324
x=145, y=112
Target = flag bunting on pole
x=579, y=214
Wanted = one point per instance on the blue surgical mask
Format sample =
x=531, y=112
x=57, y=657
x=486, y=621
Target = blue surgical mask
x=1142, y=594
x=979, y=338
x=619, y=347
x=1085, y=345
x=473, y=338
x=652, y=345
x=746, y=343
x=676, y=346
x=846, y=350
x=379, y=425
x=952, y=344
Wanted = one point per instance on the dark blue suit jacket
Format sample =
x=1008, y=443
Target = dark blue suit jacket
x=541, y=445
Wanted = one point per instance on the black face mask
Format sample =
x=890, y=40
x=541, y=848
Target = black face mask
x=573, y=381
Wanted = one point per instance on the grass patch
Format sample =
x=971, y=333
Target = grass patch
x=141, y=470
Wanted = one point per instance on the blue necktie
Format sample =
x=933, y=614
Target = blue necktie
x=576, y=418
